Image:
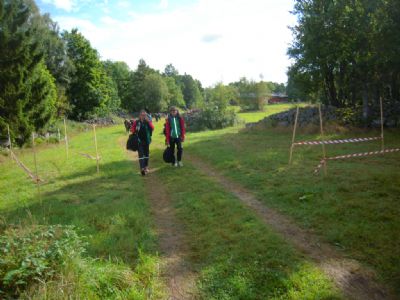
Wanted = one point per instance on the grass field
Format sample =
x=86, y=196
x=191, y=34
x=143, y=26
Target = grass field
x=109, y=208
x=236, y=256
x=270, y=109
x=355, y=208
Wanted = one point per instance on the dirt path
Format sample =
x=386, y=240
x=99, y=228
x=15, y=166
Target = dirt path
x=179, y=277
x=354, y=280
x=177, y=272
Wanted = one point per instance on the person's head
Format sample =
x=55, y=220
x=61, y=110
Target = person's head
x=142, y=115
x=173, y=111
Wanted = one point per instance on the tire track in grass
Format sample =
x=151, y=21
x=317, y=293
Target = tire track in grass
x=178, y=274
x=179, y=277
x=356, y=281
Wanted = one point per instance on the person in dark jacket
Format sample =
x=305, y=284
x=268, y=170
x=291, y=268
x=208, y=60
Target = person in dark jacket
x=175, y=134
x=143, y=127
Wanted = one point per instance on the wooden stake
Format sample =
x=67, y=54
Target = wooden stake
x=9, y=137
x=36, y=168
x=382, y=133
x=58, y=135
x=294, y=135
x=95, y=143
x=323, y=137
x=66, y=137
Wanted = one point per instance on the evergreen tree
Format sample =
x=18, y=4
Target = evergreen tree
x=27, y=91
x=171, y=71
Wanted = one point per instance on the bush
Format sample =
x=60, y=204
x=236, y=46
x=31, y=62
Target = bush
x=34, y=254
x=46, y=262
x=210, y=119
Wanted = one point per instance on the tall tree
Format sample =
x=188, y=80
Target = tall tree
x=191, y=91
x=252, y=95
x=136, y=98
x=175, y=97
x=91, y=91
x=26, y=87
x=220, y=96
x=155, y=93
x=120, y=74
x=171, y=71
x=344, y=52
x=55, y=54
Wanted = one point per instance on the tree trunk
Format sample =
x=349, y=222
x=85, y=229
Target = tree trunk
x=365, y=98
x=394, y=88
x=330, y=83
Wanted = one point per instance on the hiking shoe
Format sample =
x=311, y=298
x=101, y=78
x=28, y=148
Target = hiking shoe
x=143, y=172
x=180, y=164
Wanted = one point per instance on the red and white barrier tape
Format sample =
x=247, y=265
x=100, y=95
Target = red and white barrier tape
x=323, y=161
x=354, y=140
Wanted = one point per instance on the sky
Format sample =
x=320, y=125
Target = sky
x=213, y=40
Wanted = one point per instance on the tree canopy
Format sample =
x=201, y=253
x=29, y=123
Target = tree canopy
x=27, y=89
x=345, y=52
x=91, y=91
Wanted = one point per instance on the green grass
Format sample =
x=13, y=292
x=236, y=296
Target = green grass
x=109, y=208
x=355, y=208
x=235, y=254
x=252, y=117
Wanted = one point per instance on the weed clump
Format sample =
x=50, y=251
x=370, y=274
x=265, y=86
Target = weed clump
x=49, y=261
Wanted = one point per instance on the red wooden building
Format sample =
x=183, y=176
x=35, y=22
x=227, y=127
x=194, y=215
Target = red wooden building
x=278, y=98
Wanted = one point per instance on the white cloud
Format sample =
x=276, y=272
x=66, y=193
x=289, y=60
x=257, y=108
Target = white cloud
x=163, y=4
x=211, y=39
x=107, y=20
x=66, y=5
x=123, y=4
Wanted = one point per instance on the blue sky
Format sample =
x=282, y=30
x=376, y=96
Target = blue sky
x=213, y=40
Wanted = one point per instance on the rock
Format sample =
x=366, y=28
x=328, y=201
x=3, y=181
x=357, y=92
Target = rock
x=101, y=121
x=250, y=125
x=283, y=124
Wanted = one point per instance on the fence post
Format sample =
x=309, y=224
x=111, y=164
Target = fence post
x=9, y=139
x=294, y=135
x=66, y=137
x=36, y=168
x=323, y=137
x=382, y=133
x=95, y=143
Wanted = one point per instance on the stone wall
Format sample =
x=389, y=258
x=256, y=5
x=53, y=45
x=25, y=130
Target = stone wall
x=346, y=117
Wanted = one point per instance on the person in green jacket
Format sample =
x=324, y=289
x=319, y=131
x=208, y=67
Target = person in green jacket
x=175, y=134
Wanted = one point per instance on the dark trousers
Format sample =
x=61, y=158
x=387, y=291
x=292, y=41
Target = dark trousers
x=178, y=144
x=144, y=153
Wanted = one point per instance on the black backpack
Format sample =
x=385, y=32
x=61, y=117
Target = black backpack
x=168, y=155
x=133, y=142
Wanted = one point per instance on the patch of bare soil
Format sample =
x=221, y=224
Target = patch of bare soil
x=355, y=280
